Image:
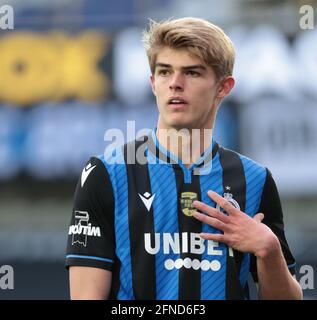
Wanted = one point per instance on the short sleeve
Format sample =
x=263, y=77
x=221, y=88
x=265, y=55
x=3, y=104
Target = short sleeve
x=91, y=240
x=270, y=206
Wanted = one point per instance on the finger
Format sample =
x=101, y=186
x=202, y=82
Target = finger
x=210, y=211
x=210, y=221
x=223, y=203
x=213, y=236
x=259, y=217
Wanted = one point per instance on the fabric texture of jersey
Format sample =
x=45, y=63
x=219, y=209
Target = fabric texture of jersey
x=135, y=221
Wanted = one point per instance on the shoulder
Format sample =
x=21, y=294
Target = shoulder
x=93, y=176
x=251, y=167
x=116, y=156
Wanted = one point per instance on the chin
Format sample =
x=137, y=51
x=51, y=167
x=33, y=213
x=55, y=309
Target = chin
x=180, y=124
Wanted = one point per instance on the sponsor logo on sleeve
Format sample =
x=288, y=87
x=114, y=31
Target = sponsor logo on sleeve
x=82, y=229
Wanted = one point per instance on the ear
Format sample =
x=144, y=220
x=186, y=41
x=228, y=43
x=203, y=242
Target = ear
x=152, y=78
x=225, y=87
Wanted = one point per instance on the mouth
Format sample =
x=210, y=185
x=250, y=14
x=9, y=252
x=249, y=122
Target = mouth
x=177, y=102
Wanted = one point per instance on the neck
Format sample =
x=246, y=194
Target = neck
x=187, y=144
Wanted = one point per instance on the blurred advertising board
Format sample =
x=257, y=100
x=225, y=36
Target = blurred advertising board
x=53, y=66
x=282, y=135
x=56, y=66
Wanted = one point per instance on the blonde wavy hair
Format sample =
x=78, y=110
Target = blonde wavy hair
x=200, y=37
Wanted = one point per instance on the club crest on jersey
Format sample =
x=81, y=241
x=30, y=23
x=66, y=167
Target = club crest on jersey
x=187, y=199
x=229, y=197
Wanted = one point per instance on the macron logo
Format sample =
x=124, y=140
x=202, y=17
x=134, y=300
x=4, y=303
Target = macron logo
x=147, y=199
x=85, y=173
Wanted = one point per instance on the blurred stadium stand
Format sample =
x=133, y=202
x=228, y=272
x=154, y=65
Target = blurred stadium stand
x=80, y=70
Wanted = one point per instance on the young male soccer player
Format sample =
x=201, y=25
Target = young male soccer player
x=189, y=222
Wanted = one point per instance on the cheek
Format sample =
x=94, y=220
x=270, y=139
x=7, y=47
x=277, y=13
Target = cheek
x=208, y=95
x=203, y=102
x=205, y=96
x=160, y=92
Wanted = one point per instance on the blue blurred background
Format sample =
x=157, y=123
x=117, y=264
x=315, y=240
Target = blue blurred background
x=72, y=69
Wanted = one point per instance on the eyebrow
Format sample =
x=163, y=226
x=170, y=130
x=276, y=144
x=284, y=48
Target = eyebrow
x=196, y=66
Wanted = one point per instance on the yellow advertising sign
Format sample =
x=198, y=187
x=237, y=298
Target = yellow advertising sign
x=54, y=66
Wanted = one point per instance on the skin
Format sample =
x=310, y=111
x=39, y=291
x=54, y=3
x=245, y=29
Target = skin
x=88, y=283
x=181, y=74
x=247, y=234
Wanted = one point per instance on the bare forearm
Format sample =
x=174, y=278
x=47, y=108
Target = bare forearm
x=274, y=279
x=88, y=283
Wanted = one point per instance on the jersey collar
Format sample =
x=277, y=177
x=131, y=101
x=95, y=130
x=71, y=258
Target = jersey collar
x=165, y=156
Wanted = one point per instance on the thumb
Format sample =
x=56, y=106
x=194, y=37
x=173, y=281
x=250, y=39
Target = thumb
x=259, y=217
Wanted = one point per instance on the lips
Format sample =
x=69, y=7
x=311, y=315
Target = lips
x=175, y=101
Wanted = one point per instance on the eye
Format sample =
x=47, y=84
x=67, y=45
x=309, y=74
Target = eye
x=163, y=72
x=193, y=73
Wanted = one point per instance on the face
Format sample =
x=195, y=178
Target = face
x=186, y=90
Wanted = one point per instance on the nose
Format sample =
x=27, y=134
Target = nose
x=177, y=82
